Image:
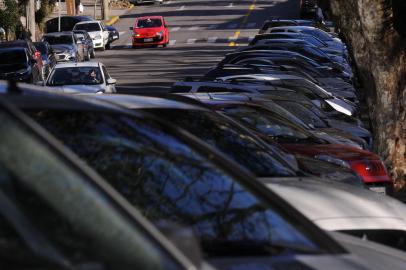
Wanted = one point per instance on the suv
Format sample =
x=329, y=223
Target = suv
x=97, y=31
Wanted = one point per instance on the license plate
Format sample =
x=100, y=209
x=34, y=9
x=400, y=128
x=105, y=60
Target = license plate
x=380, y=190
x=115, y=36
x=148, y=39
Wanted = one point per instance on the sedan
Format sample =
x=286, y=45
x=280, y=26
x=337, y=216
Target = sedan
x=90, y=77
x=150, y=31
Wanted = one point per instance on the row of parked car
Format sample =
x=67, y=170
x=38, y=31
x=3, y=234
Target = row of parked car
x=256, y=165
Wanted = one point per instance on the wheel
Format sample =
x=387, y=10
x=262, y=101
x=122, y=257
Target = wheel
x=92, y=54
x=164, y=45
x=108, y=46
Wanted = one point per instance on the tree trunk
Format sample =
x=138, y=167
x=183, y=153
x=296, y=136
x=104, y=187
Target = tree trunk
x=379, y=54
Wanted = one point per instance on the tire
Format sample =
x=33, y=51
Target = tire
x=164, y=45
x=108, y=47
x=92, y=54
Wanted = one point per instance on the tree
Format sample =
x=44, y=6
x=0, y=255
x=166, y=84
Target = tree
x=374, y=31
x=9, y=17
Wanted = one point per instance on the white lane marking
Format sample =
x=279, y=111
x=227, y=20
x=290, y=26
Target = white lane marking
x=174, y=29
x=191, y=41
x=251, y=25
x=193, y=28
x=230, y=5
x=232, y=26
x=233, y=38
x=213, y=26
x=172, y=42
x=211, y=39
x=181, y=8
x=121, y=33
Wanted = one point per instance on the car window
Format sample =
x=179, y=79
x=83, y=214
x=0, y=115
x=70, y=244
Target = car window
x=149, y=23
x=304, y=114
x=234, y=142
x=12, y=57
x=53, y=214
x=62, y=39
x=168, y=180
x=75, y=76
x=89, y=27
x=266, y=123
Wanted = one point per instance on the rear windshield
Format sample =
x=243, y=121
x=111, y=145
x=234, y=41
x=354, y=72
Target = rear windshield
x=63, y=39
x=89, y=27
x=149, y=23
x=12, y=57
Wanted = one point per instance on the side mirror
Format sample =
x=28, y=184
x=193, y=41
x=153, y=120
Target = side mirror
x=183, y=238
x=131, y=28
x=111, y=81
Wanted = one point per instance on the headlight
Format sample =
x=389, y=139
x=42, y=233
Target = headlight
x=135, y=34
x=160, y=33
x=333, y=160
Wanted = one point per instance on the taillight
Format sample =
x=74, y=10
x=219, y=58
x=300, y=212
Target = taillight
x=37, y=55
x=371, y=170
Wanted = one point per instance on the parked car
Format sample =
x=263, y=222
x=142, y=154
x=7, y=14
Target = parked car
x=87, y=42
x=30, y=48
x=66, y=46
x=97, y=31
x=48, y=57
x=51, y=201
x=16, y=64
x=66, y=23
x=150, y=30
x=113, y=35
x=89, y=77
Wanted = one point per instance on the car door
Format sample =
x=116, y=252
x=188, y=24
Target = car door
x=105, y=33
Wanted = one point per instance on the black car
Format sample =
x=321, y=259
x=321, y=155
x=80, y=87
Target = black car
x=47, y=55
x=18, y=65
x=113, y=35
x=87, y=42
x=67, y=23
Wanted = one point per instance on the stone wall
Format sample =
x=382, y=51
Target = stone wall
x=379, y=53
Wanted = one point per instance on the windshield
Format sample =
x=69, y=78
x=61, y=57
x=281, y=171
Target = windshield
x=89, y=27
x=267, y=123
x=303, y=113
x=75, y=76
x=167, y=180
x=149, y=23
x=63, y=39
x=13, y=57
x=319, y=34
x=233, y=141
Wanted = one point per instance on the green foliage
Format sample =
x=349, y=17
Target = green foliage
x=9, y=17
x=44, y=11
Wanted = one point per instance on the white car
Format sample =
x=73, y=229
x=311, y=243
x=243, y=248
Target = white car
x=88, y=77
x=97, y=31
x=345, y=208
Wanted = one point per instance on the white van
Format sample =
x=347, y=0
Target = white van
x=97, y=31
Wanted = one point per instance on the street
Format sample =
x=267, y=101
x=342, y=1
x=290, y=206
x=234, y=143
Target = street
x=201, y=33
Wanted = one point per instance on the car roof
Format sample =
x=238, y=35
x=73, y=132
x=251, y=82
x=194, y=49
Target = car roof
x=149, y=17
x=145, y=102
x=79, y=64
x=86, y=22
x=64, y=33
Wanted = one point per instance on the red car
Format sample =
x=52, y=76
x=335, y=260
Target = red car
x=150, y=30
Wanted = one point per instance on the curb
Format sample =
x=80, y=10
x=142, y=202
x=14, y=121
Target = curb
x=114, y=19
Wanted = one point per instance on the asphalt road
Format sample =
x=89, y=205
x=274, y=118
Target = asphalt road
x=201, y=33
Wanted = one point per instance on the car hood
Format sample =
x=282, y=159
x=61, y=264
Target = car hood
x=11, y=68
x=340, y=151
x=337, y=206
x=80, y=88
x=62, y=47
